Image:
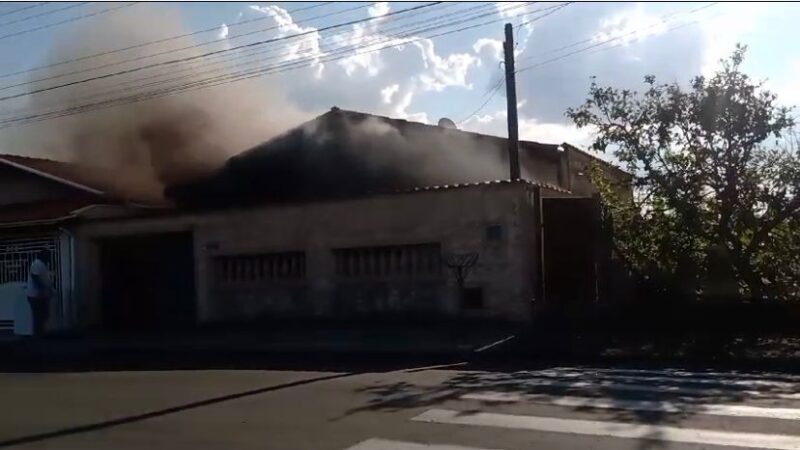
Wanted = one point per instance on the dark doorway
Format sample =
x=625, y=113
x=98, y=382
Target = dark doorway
x=148, y=282
x=570, y=238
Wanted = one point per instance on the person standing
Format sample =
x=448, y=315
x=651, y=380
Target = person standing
x=39, y=290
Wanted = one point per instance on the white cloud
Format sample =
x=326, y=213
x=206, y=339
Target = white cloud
x=510, y=9
x=530, y=129
x=306, y=46
x=388, y=92
x=366, y=42
x=401, y=112
x=786, y=86
x=724, y=31
x=444, y=72
x=631, y=25
x=378, y=9
x=223, y=31
x=494, y=48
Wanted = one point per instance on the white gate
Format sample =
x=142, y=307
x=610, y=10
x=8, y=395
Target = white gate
x=16, y=255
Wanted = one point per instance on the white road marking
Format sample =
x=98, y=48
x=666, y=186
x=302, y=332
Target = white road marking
x=639, y=405
x=381, y=444
x=495, y=344
x=613, y=429
x=664, y=379
x=684, y=373
x=612, y=385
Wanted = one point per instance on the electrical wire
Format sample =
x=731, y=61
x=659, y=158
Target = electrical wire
x=201, y=84
x=329, y=38
x=165, y=52
x=492, y=92
x=591, y=39
x=167, y=39
x=604, y=42
x=24, y=8
x=191, y=58
x=73, y=19
x=341, y=50
x=46, y=13
x=497, y=86
x=225, y=63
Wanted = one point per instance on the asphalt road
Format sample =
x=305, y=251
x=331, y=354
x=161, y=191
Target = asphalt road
x=412, y=408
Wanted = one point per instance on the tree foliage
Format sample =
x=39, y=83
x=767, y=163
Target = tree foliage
x=716, y=181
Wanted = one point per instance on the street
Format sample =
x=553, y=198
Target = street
x=438, y=408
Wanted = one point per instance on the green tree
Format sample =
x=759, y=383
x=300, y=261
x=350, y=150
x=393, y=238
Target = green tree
x=716, y=181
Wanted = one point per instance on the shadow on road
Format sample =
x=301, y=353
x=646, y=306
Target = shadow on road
x=163, y=412
x=667, y=401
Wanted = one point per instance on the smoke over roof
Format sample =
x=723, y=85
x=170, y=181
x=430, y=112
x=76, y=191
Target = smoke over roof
x=345, y=153
x=166, y=140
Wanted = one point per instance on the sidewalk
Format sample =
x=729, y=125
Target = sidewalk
x=243, y=346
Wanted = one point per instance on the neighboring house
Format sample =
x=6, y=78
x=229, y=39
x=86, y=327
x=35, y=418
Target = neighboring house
x=349, y=215
x=41, y=203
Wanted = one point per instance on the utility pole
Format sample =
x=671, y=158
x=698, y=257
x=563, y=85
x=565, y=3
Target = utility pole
x=511, y=98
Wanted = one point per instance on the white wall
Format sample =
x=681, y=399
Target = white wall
x=457, y=218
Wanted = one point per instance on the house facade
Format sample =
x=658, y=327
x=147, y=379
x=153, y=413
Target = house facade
x=229, y=248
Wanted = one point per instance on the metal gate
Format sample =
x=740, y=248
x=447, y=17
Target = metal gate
x=16, y=256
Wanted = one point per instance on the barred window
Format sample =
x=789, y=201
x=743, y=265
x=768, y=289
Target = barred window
x=256, y=268
x=418, y=260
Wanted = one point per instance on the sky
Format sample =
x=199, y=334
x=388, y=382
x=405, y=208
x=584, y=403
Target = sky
x=559, y=47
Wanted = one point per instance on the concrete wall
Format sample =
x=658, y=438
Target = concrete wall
x=579, y=165
x=18, y=187
x=456, y=218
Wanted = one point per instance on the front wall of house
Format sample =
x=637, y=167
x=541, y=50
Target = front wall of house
x=346, y=258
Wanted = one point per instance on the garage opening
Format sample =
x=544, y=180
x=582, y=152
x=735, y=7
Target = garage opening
x=148, y=282
x=570, y=237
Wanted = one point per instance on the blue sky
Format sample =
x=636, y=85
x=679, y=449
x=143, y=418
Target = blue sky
x=421, y=80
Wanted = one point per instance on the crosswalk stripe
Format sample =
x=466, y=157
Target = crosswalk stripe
x=613, y=385
x=639, y=405
x=665, y=379
x=685, y=373
x=382, y=444
x=613, y=429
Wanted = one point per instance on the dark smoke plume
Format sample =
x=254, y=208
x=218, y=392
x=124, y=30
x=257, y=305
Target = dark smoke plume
x=151, y=143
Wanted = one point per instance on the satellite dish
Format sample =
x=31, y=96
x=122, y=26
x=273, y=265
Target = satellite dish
x=444, y=122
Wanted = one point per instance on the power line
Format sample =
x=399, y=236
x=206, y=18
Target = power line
x=225, y=63
x=24, y=8
x=497, y=86
x=202, y=84
x=581, y=50
x=73, y=19
x=591, y=39
x=46, y=13
x=160, y=41
x=191, y=58
x=329, y=38
x=341, y=50
x=165, y=52
x=492, y=91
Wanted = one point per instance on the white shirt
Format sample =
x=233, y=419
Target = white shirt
x=39, y=286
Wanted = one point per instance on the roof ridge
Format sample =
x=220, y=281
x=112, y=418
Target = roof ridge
x=59, y=178
x=525, y=181
x=336, y=109
x=6, y=155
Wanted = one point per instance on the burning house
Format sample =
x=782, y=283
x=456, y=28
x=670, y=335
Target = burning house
x=349, y=215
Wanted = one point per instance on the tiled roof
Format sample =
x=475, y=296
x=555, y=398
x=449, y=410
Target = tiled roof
x=120, y=185
x=42, y=212
x=345, y=153
x=549, y=186
x=539, y=147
